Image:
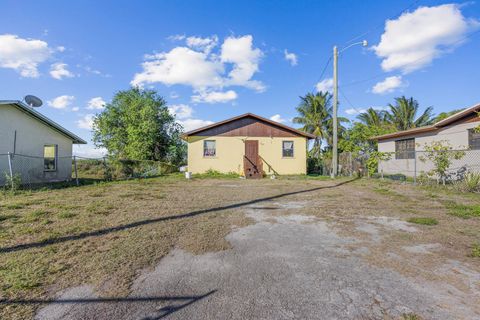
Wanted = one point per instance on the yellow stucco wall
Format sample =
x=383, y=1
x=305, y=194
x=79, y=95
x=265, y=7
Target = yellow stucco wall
x=230, y=152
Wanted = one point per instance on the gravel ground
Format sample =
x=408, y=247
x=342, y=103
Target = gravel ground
x=284, y=266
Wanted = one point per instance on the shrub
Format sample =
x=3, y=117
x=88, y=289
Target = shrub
x=12, y=183
x=374, y=159
x=424, y=221
x=470, y=183
x=441, y=154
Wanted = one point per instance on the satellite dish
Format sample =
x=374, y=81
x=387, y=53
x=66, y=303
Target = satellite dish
x=33, y=101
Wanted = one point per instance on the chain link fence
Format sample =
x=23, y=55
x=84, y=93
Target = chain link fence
x=29, y=171
x=447, y=165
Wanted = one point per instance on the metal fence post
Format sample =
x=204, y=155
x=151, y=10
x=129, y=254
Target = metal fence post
x=75, y=167
x=11, y=170
x=414, y=167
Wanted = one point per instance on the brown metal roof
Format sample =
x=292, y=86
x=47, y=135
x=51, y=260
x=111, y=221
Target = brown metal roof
x=436, y=126
x=251, y=115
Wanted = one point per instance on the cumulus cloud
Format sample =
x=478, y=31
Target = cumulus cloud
x=23, y=55
x=59, y=71
x=181, y=111
x=388, y=85
x=86, y=122
x=416, y=38
x=277, y=118
x=75, y=109
x=245, y=59
x=61, y=102
x=192, y=124
x=203, y=44
x=208, y=73
x=96, y=103
x=325, y=85
x=291, y=57
x=214, y=96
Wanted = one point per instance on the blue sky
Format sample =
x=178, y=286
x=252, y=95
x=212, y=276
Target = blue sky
x=216, y=59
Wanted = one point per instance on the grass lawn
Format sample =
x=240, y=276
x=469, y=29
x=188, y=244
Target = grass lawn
x=103, y=234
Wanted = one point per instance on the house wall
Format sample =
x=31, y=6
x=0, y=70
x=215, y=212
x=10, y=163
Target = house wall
x=31, y=137
x=457, y=137
x=230, y=151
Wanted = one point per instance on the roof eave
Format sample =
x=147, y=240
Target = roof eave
x=213, y=125
x=75, y=139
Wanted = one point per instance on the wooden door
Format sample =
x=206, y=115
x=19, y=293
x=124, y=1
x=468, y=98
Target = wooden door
x=251, y=161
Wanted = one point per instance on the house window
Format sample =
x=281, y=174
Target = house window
x=405, y=149
x=287, y=149
x=50, y=157
x=473, y=139
x=209, y=148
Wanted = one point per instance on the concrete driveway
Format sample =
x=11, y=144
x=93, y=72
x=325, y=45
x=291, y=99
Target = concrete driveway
x=284, y=266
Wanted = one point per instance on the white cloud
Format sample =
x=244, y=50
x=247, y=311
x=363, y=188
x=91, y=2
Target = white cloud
x=291, y=57
x=88, y=151
x=277, y=118
x=416, y=38
x=181, y=111
x=388, y=85
x=75, y=109
x=181, y=65
x=86, y=122
x=214, y=96
x=23, y=55
x=192, y=124
x=61, y=102
x=59, y=71
x=325, y=85
x=96, y=103
x=245, y=59
x=174, y=95
x=203, y=44
x=353, y=111
x=207, y=72
x=60, y=48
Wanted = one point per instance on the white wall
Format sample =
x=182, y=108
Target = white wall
x=31, y=137
x=457, y=137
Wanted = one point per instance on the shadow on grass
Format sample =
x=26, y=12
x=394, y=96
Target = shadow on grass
x=127, y=226
x=176, y=302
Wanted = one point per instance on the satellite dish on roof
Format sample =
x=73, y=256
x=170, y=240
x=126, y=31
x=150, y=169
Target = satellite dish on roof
x=33, y=101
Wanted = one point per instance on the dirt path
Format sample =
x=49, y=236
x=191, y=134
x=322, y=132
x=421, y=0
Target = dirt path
x=286, y=266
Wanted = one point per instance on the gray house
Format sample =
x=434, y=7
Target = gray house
x=407, y=147
x=41, y=150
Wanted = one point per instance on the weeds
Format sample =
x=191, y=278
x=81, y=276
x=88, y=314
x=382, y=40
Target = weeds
x=462, y=210
x=475, y=250
x=423, y=220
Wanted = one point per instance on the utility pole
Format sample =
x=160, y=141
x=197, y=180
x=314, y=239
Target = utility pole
x=364, y=43
x=335, y=110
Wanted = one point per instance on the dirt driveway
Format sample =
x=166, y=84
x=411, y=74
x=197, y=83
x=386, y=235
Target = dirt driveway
x=327, y=250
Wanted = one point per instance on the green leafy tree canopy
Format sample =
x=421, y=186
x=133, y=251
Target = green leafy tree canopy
x=138, y=125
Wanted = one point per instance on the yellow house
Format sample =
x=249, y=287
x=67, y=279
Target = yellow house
x=249, y=145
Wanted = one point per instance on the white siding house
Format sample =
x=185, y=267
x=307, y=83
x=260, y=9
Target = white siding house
x=41, y=149
x=406, y=147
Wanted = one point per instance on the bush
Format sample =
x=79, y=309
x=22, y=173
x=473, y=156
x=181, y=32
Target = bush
x=470, y=182
x=12, y=183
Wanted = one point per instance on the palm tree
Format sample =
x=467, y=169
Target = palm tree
x=315, y=114
x=402, y=115
x=373, y=118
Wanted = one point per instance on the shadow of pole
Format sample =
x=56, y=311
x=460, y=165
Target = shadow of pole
x=101, y=232
x=161, y=313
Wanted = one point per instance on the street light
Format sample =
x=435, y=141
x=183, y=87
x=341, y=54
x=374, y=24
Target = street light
x=364, y=43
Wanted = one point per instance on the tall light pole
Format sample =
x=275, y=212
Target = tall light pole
x=335, y=105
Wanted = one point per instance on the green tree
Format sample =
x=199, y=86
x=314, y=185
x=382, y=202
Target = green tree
x=138, y=125
x=441, y=155
x=403, y=114
x=315, y=114
x=357, y=138
x=444, y=115
x=374, y=118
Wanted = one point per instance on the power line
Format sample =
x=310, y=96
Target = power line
x=421, y=58
x=348, y=101
x=325, y=69
x=414, y=3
